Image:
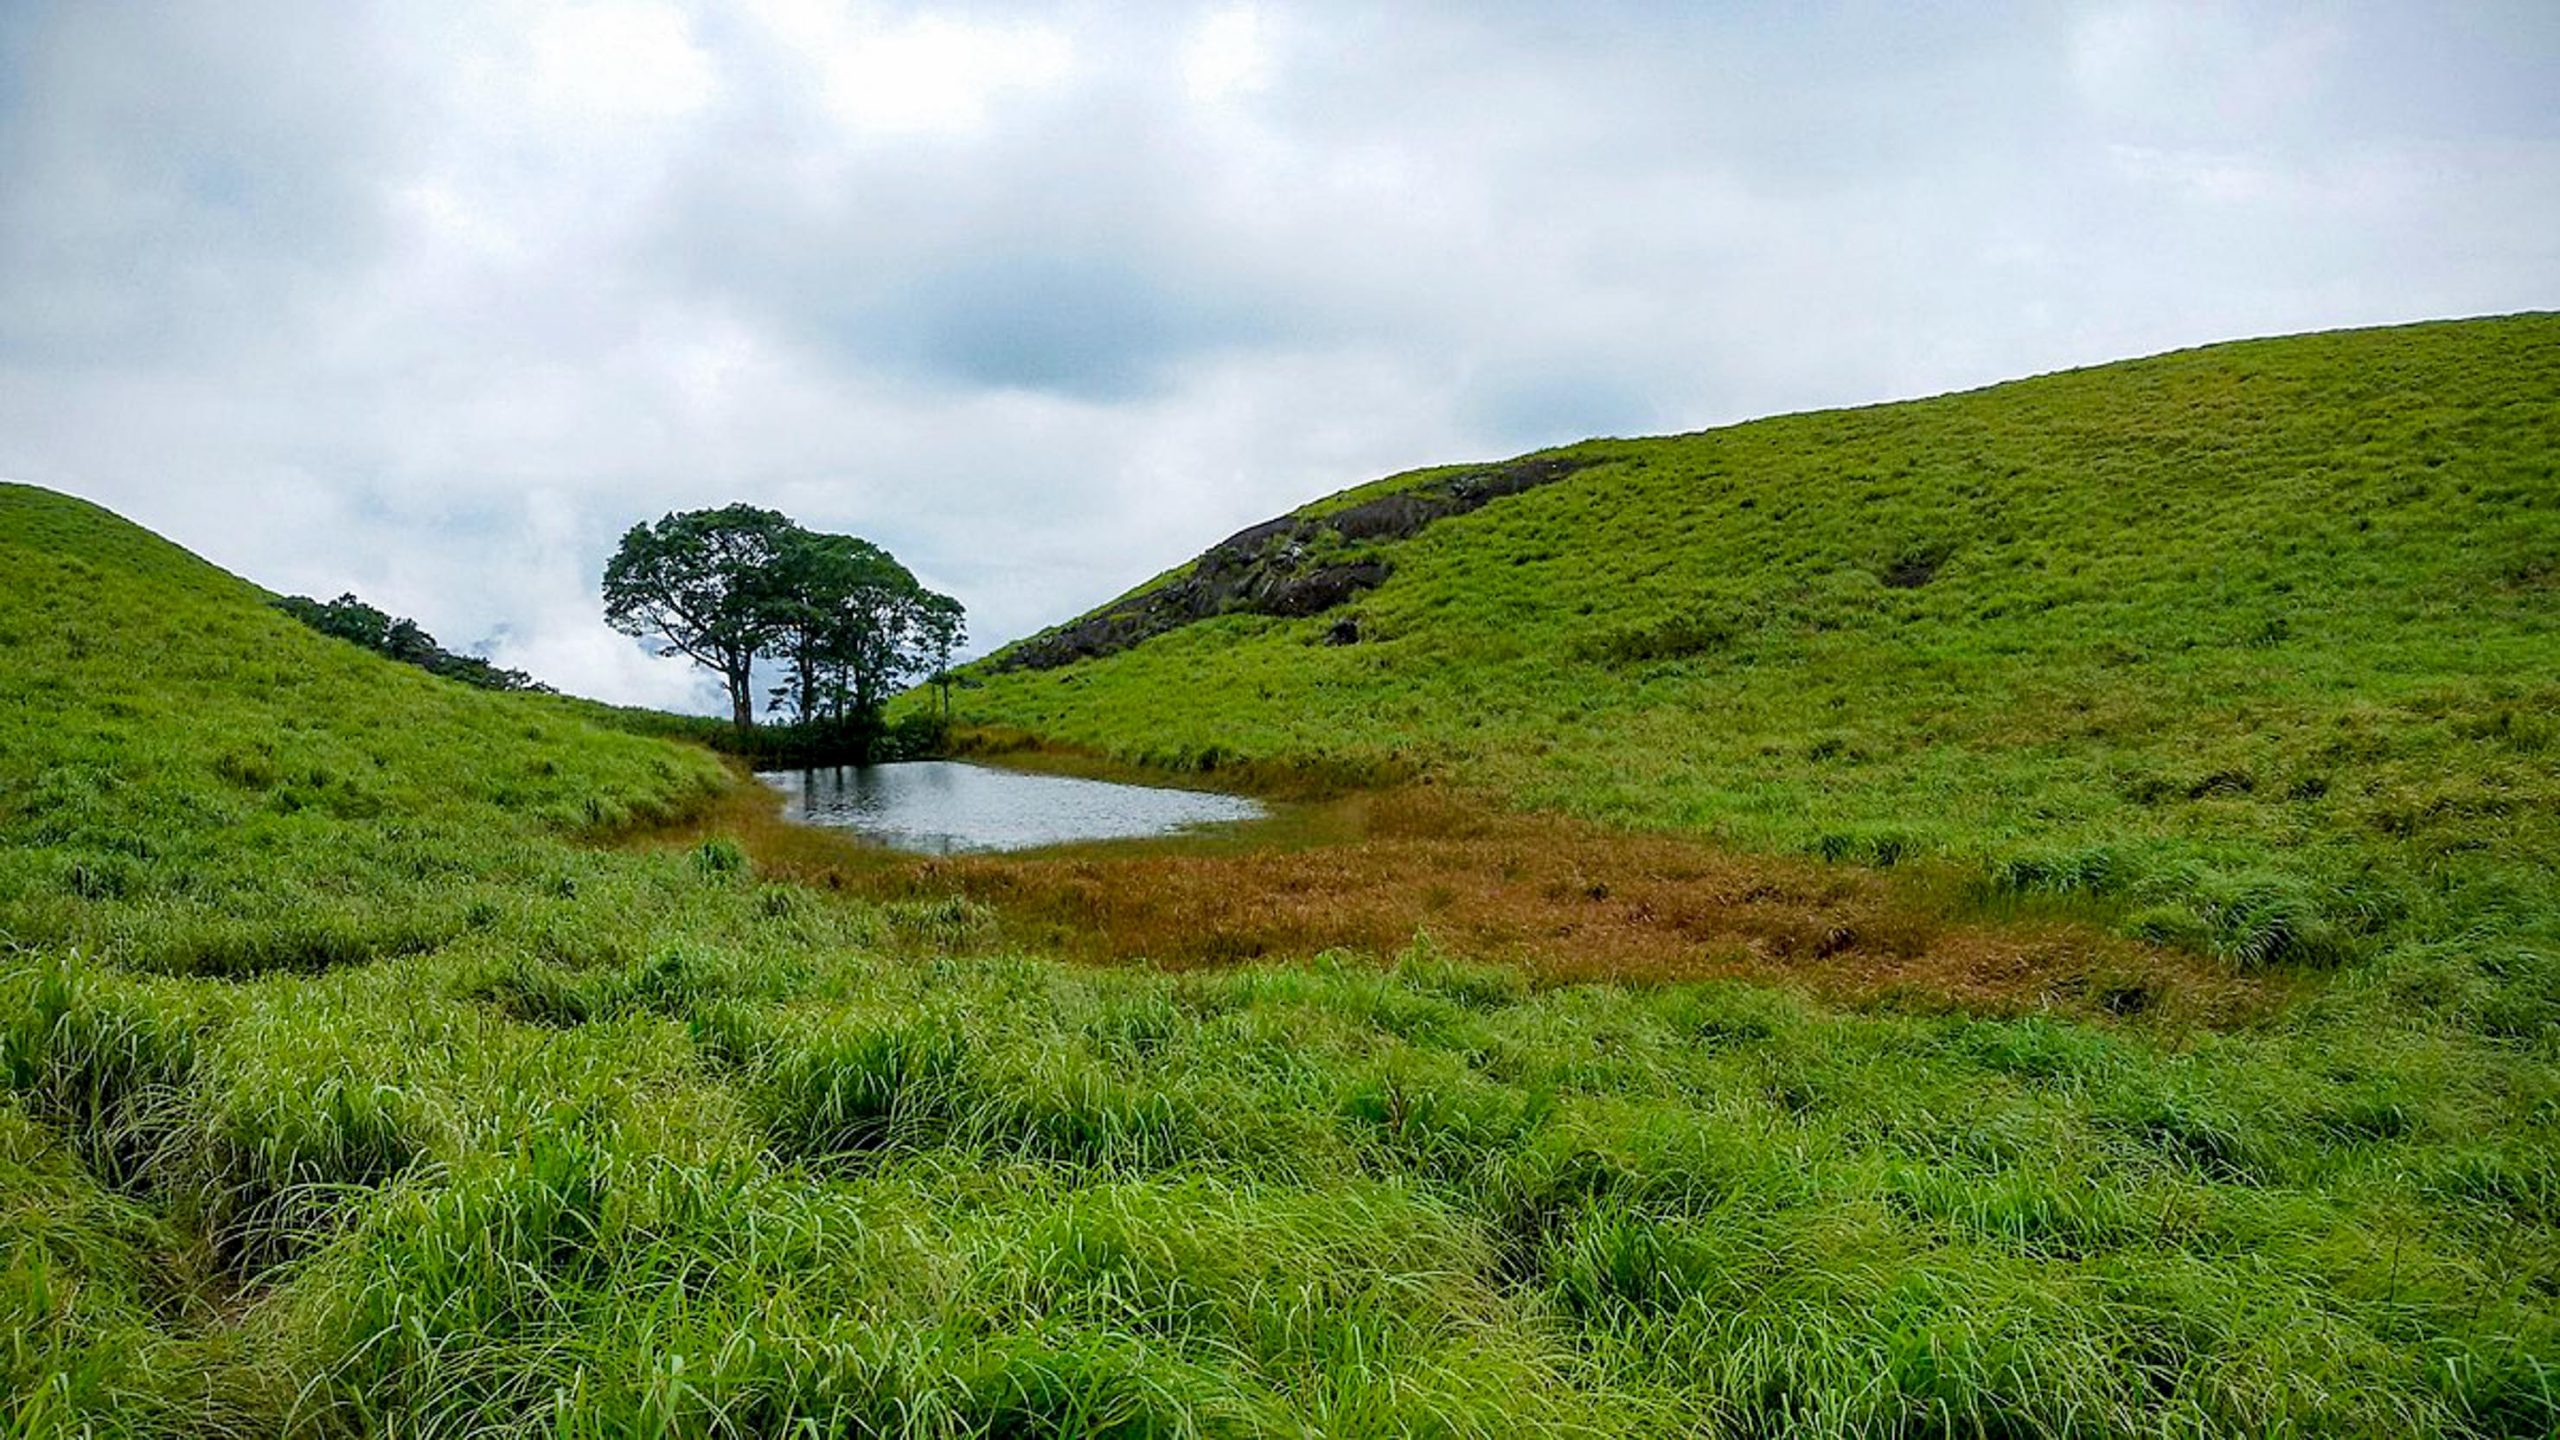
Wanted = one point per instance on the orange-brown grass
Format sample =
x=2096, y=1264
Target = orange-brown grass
x=750, y=813
x=1565, y=899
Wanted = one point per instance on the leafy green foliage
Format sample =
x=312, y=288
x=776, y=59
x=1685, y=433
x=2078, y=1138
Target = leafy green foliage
x=731, y=587
x=707, y=583
x=912, y=734
x=402, y=639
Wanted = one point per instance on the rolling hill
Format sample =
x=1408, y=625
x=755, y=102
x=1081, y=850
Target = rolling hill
x=2255, y=647
x=202, y=784
x=372, y=1062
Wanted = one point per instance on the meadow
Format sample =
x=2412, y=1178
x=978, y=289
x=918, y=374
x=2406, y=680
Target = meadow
x=387, y=1057
x=2254, y=649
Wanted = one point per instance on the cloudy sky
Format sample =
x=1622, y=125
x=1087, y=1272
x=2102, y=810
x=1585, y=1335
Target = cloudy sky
x=431, y=300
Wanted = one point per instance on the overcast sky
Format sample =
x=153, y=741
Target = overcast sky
x=430, y=301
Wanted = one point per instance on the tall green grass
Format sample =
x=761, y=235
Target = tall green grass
x=345, y=1089
x=981, y=1197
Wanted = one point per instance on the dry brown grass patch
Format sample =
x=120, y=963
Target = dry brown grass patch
x=1567, y=900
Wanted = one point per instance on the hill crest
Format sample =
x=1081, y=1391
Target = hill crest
x=2243, y=641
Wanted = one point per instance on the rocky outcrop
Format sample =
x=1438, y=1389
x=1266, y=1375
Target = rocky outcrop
x=1296, y=565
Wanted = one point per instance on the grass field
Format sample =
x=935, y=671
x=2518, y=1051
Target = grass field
x=369, y=1071
x=2254, y=644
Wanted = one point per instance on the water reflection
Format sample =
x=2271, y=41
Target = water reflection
x=943, y=807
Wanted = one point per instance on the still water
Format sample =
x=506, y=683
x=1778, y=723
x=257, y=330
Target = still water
x=943, y=807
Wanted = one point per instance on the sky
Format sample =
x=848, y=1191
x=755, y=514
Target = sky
x=432, y=301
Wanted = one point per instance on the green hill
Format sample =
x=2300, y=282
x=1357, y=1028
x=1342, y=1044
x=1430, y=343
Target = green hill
x=2257, y=644
x=350, y=1084
x=197, y=783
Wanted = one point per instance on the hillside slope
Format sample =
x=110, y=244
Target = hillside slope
x=2257, y=643
x=194, y=782
x=345, y=1089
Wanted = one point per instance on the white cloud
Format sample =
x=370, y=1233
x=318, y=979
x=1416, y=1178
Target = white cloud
x=615, y=62
x=887, y=74
x=1227, y=55
x=432, y=302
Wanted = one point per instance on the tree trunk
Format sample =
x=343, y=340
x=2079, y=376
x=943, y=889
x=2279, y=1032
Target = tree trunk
x=742, y=697
x=801, y=662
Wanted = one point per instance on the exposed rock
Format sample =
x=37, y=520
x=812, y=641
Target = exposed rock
x=1293, y=565
x=1391, y=517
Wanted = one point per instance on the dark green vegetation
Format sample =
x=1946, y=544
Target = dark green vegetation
x=733, y=587
x=915, y=733
x=349, y=1090
x=402, y=639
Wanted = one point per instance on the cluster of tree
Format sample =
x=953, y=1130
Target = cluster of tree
x=402, y=639
x=837, y=618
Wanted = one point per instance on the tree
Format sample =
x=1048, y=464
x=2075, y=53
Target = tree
x=409, y=643
x=402, y=639
x=709, y=584
x=857, y=626
x=729, y=587
x=944, y=629
x=839, y=609
x=346, y=617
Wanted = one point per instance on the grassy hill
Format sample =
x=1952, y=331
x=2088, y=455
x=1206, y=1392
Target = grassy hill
x=197, y=782
x=2257, y=646
x=351, y=1083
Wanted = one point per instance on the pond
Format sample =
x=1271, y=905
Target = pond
x=945, y=807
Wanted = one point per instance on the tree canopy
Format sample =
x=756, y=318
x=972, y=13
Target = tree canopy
x=702, y=582
x=844, y=622
x=401, y=639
